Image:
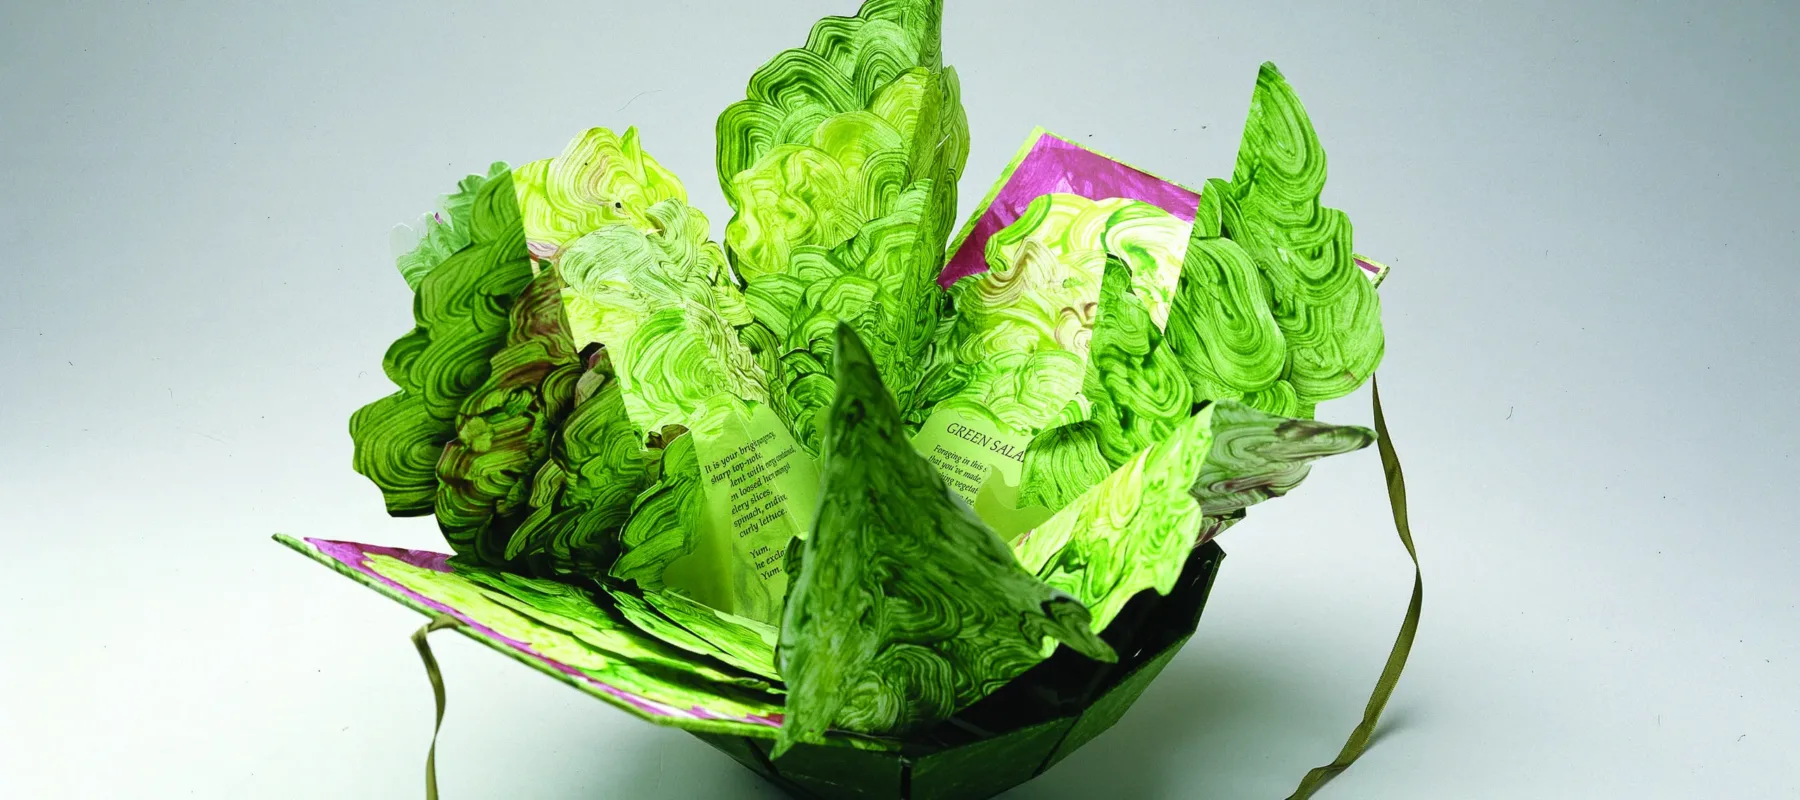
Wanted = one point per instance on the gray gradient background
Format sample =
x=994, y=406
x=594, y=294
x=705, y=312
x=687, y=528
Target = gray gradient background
x=1590, y=208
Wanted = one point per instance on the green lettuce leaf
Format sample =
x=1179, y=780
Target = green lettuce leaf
x=906, y=608
x=447, y=231
x=504, y=429
x=601, y=179
x=582, y=496
x=1272, y=308
x=566, y=626
x=841, y=167
x=461, y=314
x=1023, y=330
x=1258, y=456
x=1131, y=532
x=665, y=520
x=1134, y=529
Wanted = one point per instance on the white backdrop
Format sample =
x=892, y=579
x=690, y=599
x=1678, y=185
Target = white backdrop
x=1590, y=208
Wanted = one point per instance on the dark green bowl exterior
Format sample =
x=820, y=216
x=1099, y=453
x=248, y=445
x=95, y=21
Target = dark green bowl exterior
x=1040, y=718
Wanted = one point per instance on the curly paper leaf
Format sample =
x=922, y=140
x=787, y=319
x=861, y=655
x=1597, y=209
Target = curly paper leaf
x=1061, y=463
x=1328, y=312
x=757, y=659
x=505, y=428
x=841, y=166
x=582, y=497
x=447, y=231
x=1222, y=331
x=657, y=301
x=665, y=520
x=599, y=623
x=906, y=608
x=1135, y=384
x=740, y=640
x=461, y=313
x=845, y=63
x=1034, y=309
x=1132, y=531
x=600, y=179
x=879, y=282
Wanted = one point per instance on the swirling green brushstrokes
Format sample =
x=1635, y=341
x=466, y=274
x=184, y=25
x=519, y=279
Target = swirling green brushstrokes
x=1022, y=330
x=1305, y=325
x=447, y=231
x=601, y=179
x=1257, y=456
x=597, y=621
x=827, y=84
x=505, y=428
x=665, y=519
x=461, y=313
x=1135, y=385
x=841, y=167
x=1131, y=532
x=742, y=643
x=906, y=608
x=658, y=300
x=582, y=496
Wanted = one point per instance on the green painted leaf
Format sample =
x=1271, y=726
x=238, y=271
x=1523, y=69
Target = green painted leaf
x=462, y=315
x=1132, y=531
x=665, y=520
x=1222, y=330
x=583, y=495
x=1328, y=312
x=1022, y=332
x=601, y=179
x=841, y=166
x=447, y=231
x=597, y=621
x=505, y=429
x=742, y=643
x=906, y=608
x=1257, y=456
x=1135, y=384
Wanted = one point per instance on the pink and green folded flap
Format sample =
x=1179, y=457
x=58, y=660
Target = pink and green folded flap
x=1048, y=164
x=593, y=652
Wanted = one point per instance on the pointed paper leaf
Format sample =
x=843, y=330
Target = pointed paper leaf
x=1257, y=456
x=582, y=497
x=841, y=166
x=1327, y=310
x=1131, y=532
x=1135, y=384
x=906, y=607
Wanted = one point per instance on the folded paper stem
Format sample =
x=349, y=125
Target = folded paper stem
x=437, y=623
x=1390, y=674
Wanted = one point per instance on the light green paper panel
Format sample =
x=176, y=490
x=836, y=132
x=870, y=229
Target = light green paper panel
x=760, y=490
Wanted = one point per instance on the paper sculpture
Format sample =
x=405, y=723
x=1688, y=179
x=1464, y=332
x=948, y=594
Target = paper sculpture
x=875, y=512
